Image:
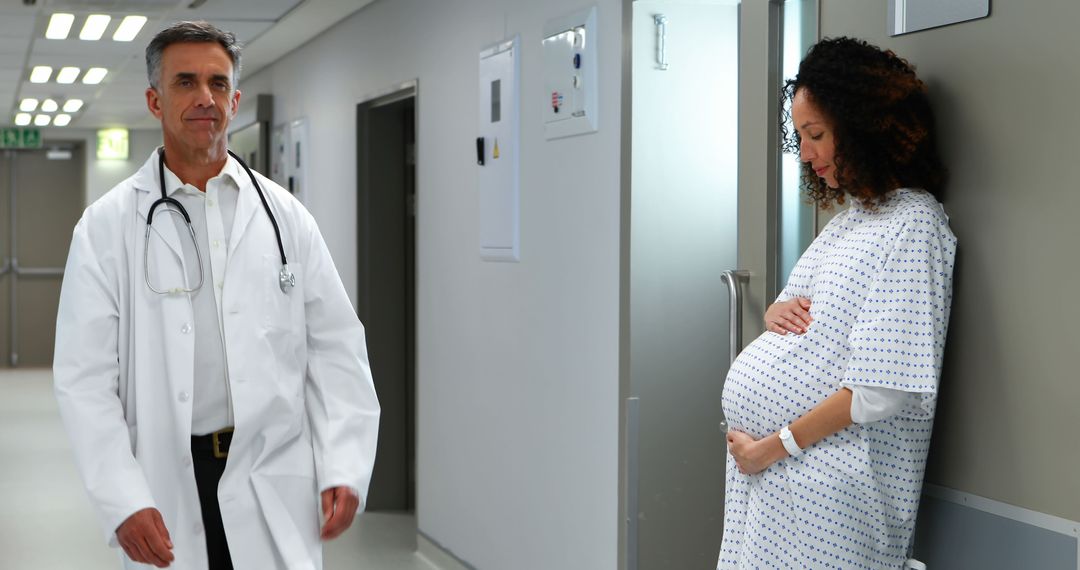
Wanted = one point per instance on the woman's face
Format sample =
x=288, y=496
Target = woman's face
x=817, y=144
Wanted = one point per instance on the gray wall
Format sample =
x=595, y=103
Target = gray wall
x=1004, y=90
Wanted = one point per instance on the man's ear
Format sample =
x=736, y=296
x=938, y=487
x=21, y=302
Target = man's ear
x=153, y=102
x=235, y=102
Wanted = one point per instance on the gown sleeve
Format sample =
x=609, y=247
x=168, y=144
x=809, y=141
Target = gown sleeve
x=898, y=339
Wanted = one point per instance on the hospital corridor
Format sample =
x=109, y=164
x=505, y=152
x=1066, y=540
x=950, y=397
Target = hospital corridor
x=539, y=285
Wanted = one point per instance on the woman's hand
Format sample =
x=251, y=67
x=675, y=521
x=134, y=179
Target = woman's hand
x=789, y=316
x=754, y=456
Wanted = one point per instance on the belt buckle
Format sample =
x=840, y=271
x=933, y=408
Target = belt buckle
x=220, y=453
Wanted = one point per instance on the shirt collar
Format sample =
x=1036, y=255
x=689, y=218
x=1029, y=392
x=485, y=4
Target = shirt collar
x=231, y=171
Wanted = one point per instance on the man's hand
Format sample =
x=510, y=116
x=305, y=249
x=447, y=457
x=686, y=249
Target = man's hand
x=145, y=539
x=789, y=316
x=339, y=506
x=754, y=456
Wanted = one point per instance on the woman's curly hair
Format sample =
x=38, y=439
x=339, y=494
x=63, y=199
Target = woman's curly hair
x=880, y=117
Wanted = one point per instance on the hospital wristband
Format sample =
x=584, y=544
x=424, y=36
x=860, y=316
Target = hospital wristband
x=788, y=439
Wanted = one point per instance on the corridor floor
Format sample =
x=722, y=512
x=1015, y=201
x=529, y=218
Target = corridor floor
x=47, y=523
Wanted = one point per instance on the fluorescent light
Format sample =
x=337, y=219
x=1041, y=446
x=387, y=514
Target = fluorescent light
x=73, y=105
x=62, y=120
x=49, y=106
x=28, y=105
x=22, y=119
x=94, y=75
x=42, y=120
x=129, y=28
x=40, y=74
x=59, y=26
x=94, y=27
x=67, y=75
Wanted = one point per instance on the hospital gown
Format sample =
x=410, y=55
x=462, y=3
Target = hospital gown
x=880, y=285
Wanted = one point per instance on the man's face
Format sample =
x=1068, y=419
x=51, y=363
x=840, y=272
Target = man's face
x=195, y=98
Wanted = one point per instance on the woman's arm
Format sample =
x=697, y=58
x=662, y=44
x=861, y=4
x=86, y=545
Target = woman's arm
x=830, y=416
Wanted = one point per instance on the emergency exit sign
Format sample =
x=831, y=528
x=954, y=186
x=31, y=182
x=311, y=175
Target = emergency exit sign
x=14, y=137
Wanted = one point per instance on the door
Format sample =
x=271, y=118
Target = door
x=683, y=235
x=41, y=199
x=707, y=193
x=387, y=249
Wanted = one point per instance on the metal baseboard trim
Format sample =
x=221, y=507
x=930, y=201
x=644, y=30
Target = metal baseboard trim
x=1019, y=514
x=441, y=558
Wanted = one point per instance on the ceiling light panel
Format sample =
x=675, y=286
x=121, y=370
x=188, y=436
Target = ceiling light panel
x=59, y=26
x=40, y=74
x=73, y=105
x=22, y=119
x=28, y=105
x=94, y=27
x=49, y=106
x=62, y=120
x=94, y=75
x=129, y=28
x=42, y=120
x=67, y=75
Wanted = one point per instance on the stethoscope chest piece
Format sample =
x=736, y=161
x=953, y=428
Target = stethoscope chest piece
x=286, y=279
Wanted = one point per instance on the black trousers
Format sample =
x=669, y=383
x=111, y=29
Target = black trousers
x=208, y=470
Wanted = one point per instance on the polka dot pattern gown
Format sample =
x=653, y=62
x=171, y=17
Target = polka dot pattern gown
x=880, y=285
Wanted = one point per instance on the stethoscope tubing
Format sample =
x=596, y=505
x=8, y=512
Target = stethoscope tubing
x=286, y=279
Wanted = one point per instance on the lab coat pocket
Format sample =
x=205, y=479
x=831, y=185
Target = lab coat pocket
x=282, y=310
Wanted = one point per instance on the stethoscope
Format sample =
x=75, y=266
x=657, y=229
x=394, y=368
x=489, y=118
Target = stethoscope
x=286, y=279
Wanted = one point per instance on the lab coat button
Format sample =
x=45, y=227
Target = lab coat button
x=183, y=396
x=197, y=529
x=186, y=328
x=186, y=461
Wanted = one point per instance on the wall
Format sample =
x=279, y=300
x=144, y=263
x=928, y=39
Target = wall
x=1004, y=90
x=517, y=374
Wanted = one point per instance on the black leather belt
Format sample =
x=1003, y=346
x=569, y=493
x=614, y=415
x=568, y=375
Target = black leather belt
x=215, y=444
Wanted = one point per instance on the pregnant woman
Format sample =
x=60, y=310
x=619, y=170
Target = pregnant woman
x=830, y=410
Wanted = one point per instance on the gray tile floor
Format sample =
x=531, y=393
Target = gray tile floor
x=46, y=522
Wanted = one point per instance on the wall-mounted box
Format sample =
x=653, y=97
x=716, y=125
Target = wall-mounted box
x=497, y=155
x=570, y=75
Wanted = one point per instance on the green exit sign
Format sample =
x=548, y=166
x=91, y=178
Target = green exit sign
x=16, y=137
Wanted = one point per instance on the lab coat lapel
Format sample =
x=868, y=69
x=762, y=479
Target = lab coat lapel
x=247, y=204
x=148, y=185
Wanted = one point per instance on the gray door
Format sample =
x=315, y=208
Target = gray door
x=706, y=195
x=41, y=199
x=386, y=301
x=683, y=235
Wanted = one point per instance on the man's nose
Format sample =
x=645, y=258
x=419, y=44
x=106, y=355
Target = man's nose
x=205, y=98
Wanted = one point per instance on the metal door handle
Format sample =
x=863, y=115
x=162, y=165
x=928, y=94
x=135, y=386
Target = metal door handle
x=732, y=278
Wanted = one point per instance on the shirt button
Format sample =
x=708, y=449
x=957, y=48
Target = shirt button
x=186, y=328
x=239, y=380
x=220, y=284
x=183, y=396
x=217, y=243
x=210, y=203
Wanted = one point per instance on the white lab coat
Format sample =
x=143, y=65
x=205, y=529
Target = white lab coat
x=305, y=409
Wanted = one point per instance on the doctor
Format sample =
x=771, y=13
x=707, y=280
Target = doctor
x=229, y=419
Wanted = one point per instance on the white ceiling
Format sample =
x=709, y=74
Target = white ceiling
x=268, y=29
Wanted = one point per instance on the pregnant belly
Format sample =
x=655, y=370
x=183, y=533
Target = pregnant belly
x=775, y=380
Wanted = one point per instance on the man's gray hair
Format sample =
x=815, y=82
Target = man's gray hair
x=190, y=32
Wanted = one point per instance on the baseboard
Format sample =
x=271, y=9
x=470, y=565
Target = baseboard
x=961, y=531
x=433, y=553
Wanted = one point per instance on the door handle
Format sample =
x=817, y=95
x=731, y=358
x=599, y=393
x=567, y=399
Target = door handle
x=733, y=278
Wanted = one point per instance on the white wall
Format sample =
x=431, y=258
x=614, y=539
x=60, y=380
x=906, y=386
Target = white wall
x=517, y=363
